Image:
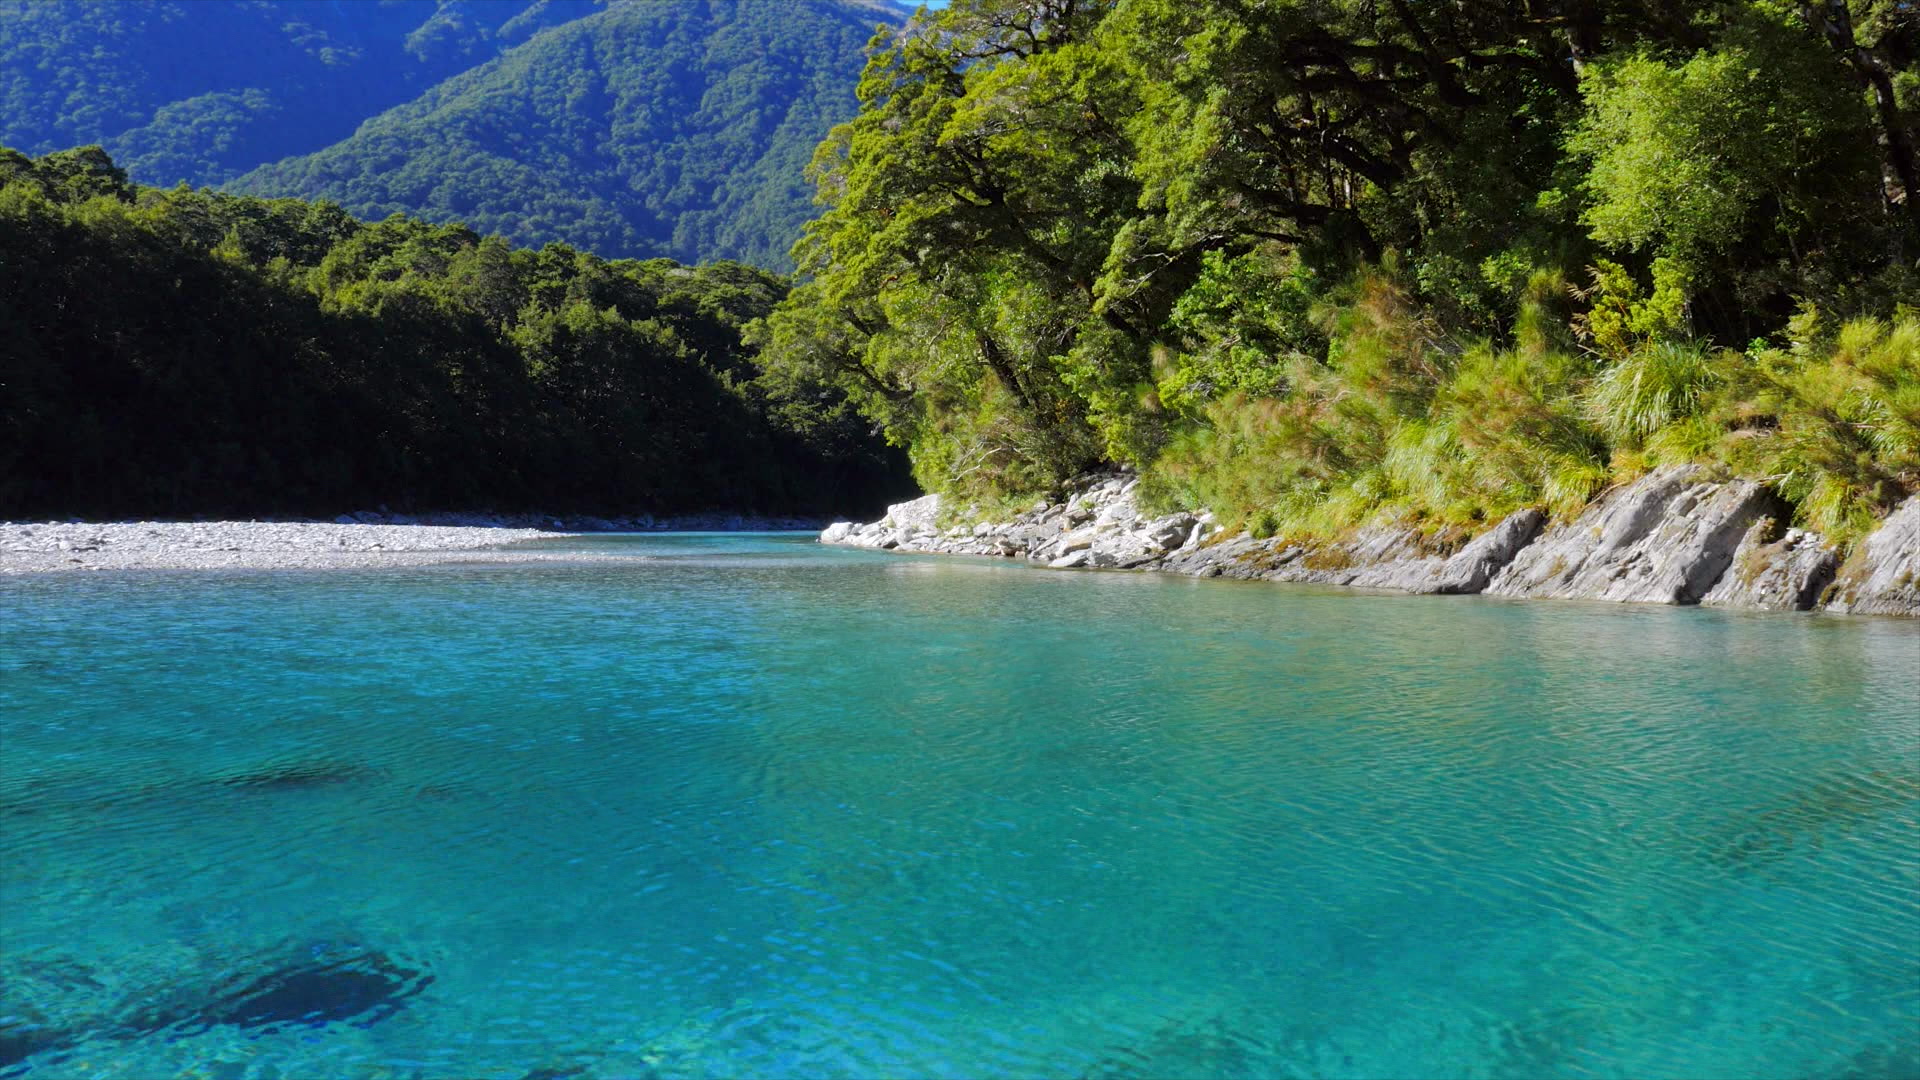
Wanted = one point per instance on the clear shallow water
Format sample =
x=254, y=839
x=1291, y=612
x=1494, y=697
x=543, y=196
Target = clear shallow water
x=743, y=806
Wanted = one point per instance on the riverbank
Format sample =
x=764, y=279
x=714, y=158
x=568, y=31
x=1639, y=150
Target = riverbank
x=1680, y=535
x=27, y=548
x=359, y=541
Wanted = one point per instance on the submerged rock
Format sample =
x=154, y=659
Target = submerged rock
x=1663, y=539
x=50, y=1003
x=360, y=988
x=298, y=776
x=555, y=1072
x=1883, y=576
x=1787, y=574
x=22, y=1038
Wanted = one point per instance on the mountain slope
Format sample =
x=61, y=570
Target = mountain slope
x=203, y=90
x=663, y=127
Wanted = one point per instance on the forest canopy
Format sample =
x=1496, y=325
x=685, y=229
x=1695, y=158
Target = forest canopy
x=1310, y=262
x=188, y=351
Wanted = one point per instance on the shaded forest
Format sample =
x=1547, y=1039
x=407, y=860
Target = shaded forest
x=182, y=352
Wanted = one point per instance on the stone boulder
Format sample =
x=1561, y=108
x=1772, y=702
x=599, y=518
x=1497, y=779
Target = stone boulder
x=1369, y=551
x=1883, y=576
x=915, y=517
x=1787, y=574
x=1239, y=556
x=1663, y=539
x=1376, y=557
x=1467, y=570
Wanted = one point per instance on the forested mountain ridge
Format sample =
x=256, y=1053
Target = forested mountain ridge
x=175, y=352
x=200, y=92
x=628, y=127
x=650, y=128
x=1316, y=262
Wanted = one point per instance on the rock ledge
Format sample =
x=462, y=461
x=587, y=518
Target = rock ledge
x=1679, y=535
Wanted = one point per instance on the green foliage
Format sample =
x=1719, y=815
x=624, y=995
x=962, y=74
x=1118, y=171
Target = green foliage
x=1240, y=318
x=663, y=128
x=178, y=352
x=1650, y=388
x=1834, y=422
x=1397, y=422
x=188, y=90
x=1690, y=157
x=1305, y=261
x=968, y=211
x=657, y=128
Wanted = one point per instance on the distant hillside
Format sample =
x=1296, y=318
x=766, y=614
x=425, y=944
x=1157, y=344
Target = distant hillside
x=204, y=90
x=653, y=127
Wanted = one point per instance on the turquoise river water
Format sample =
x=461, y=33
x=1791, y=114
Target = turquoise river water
x=741, y=806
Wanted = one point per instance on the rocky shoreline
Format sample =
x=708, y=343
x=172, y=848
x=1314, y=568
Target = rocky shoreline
x=357, y=541
x=1679, y=535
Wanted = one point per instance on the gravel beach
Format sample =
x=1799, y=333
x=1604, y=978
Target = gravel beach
x=29, y=547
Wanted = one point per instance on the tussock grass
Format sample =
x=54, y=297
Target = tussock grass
x=1400, y=422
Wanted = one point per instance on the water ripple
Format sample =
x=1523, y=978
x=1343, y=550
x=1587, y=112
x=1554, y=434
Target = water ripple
x=746, y=807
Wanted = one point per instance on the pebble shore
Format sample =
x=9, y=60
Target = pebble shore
x=366, y=539
x=30, y=547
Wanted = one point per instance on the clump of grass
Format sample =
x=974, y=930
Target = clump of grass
x=1400, y=422
x=1655, y=385
x=1841, y=437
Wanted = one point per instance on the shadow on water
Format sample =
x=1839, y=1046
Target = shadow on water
x=357, y=987
x=91, y=794
x=1888, y=1062
x=359, y=990
x=299, y=776
x=1831, y=807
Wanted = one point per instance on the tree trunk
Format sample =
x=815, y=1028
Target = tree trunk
x=1835, y=23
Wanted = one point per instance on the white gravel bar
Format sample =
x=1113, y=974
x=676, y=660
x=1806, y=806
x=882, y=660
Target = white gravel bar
x=51, y=547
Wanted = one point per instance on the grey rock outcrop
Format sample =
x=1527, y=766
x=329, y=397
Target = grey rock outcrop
x=1663, y=539
x=909, y=525
x=1883, y=576
x=1679, y=535
x=1378, y=557
x=1467, y=570
x=1787, y=574
x=1102, y=526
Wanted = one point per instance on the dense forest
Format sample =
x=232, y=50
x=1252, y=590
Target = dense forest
x=188, y=351
x=1317, y=262
x=637, y=128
